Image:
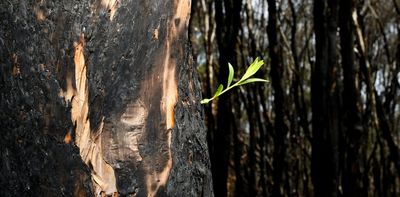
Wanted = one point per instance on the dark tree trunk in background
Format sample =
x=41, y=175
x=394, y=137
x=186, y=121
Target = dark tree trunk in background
x=325, y=118
x=100, y=97
x=327, y=123
x=227, y=29
x=279, y=100
x=352, y=179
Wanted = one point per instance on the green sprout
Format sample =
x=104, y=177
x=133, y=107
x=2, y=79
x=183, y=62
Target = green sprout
x=253, y=68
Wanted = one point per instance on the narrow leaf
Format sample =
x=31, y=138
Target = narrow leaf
x=219, y=90
x=253, y=68
x=251, y=80
x=231, y=73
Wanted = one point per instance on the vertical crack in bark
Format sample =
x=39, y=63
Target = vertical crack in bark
x=89, y=145
x=170, y=90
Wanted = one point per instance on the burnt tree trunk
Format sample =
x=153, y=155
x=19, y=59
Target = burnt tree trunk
x=325, y=113
x=227, y=29
x=352, y=178
x=100, y=97
x=277, y=71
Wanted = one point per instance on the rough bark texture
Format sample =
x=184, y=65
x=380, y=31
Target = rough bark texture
x=109, y=84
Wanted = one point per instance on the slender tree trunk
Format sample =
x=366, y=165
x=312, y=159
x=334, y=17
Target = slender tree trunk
x=352, y=175
x=103, y=91
x=325, y=122
x=227, y=17
x=252, y=155
x=279, y=100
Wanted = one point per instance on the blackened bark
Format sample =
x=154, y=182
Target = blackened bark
x=384, y=125
x=34, y=119
x=109, y=84
x=191, y=174
x=262, y=143
x=352, y=179
x=298, y=92
x=279, y=99
x=220, y=157
x=252, y=152
x=325, y=123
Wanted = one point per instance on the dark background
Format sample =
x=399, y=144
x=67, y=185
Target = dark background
x=328, y=123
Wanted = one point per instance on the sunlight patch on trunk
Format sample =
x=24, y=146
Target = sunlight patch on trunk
x=111, y=6
x=170, y=91
x=135, y=117
x=68, y=137
x=103, y=174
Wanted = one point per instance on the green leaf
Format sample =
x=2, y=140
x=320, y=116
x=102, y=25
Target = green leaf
x=251, y=80
x=231, y=72
x=219, y=90
x=253, y=68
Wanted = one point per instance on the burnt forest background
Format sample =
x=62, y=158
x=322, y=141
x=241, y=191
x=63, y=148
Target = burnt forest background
x=328, y=123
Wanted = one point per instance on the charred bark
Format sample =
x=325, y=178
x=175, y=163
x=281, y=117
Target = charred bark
x=352, y=179
x=325, y=114
x=277, y=70
x=109, y=84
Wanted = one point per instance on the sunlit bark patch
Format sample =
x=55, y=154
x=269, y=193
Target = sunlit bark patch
x=155, y=34
x=103, y=174
x=182, y=13
x=170, y=91
x=40, y=15
x=134, y=117
x=111, y=6
x=180, y=21
x=68, y=137
x=16, y=70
